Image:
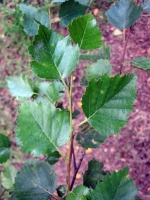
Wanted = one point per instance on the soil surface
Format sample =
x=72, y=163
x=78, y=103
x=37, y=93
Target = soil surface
x=132, y=145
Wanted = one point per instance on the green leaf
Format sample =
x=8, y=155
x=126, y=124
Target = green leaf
x=90, y=139
x=53, y=157
x=79, y=193
x=108, y=101
x=61, y=190
x=36, y=180
x=84, y=2
x=8, y=177
x=31, y=16
x=20, y=86
x=93, y=174
x=123, y=14
x=99, y=68
x=4, y=148
x=115, y=186
x=53, y=91
x=104, y=53
x=146, y=6
x=75, y=114
x=69, y=10
x=54, y=57
x=142, y=63
x=42, y=128
x=85, y=32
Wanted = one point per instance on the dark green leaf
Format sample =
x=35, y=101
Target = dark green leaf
x=146, y=6
x=8, y=177
x=20, y=86
x=115, y=186
x=79, y=193
x=85, y=32
x=61, y=190
x=69, y=10
x=99, y=68
x=54, y=57
x=37, y=180
x=54, y=92
x=108, y=101
x=123, y=14
x=90, y=139
x=53, y=157
x=75, y=114
x=84, y=81
x=142, y=63
x=31, y=16
x=42, y=128
x=93, y=174
x=4, y=148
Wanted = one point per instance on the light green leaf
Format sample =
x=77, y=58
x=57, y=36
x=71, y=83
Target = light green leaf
x=69, y=10
x=99, y=68
x=53, y=91
x=54, y=57
x=104, y=53
x=108, y=101
x=123, y=14
x=4, y=148
x=115, y=186
x=31, y=16
x=84, y=2
x=8, y=177
x=93, y=174
x=142, y=63
x=79, y=193
x=42, y=128
x=36, y=180
x=90, y=139
x=85, y=32
x=146, y=6
x=20, y=86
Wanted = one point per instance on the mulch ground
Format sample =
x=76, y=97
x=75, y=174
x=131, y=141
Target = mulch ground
x=132, y=145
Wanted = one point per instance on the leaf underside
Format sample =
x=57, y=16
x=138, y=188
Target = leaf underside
x=85, y=32
x=142, y=63
x=123, y=14
x=36, y=180
x=108, y=101
x=53, y=56
x=4, y=148
x=42, y=128
x=115, y=186
x=146, y=6
x=99, y=68
x=30, y=15
x=20, y=86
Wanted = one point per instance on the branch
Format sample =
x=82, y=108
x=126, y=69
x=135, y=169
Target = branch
x=124, y=51
x=3, y=193
x=76, y=171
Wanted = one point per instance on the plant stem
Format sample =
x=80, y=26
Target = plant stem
x=71, y=133
x=76, y=170
x=81, y=123
x=124, y=51
x=2, y=193
x=56, y=197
